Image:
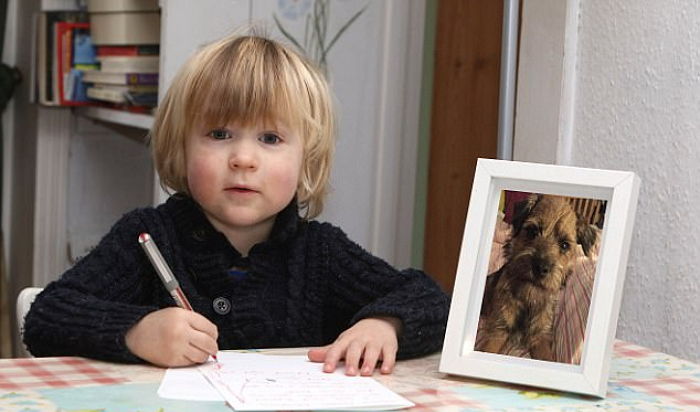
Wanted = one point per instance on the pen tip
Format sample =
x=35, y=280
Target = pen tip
x=144, y=237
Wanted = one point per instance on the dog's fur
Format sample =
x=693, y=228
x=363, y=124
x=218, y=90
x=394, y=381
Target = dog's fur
x=521, y=297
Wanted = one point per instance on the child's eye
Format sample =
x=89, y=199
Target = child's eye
x=270, y=138
x=219, y=134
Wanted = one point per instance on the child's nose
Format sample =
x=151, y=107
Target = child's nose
x=243, y=158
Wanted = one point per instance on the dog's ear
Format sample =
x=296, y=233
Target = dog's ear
x=586, y=236
x=521, y=211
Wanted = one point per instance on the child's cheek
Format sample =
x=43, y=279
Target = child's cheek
x=287, y=181
x=200, y=176
x=290, y=183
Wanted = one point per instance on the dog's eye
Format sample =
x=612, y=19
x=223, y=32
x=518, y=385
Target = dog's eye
x=564, y=245
x=531, y=232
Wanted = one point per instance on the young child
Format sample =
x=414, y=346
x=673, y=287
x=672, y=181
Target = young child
x=244, y=137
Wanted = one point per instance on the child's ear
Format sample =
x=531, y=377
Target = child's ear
x=522, y=210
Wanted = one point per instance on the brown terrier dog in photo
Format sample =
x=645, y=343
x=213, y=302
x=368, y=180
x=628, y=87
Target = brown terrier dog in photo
x=521, y=297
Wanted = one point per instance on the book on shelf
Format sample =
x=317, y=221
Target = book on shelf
x=47, y=49
x=136, y=98
x=108, y=95
x=73, y=47
x=126, y=64
x=132, y=50
x=96, y=76
x=84, y=53
x=84, y=59
x=142, y=99
x=131, y=88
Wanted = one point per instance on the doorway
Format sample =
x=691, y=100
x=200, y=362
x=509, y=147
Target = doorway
x=464, y=123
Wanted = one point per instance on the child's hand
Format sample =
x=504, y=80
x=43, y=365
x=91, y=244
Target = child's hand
x=370, y=339
x=173, y=337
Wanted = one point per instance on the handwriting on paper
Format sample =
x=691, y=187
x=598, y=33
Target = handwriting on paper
x=289, y=383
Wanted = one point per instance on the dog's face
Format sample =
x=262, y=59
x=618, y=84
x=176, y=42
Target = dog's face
x=545, y=232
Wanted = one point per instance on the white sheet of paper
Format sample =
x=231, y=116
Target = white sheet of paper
x=249, y=381
x=187, y=384
x=259, y=382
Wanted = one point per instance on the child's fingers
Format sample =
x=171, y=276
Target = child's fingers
x=195, y=355
x=370, y=360
x=388, y=359
x=202, y=324
x=318, y=354
x=204, y=343
x=333, y=355
x=352, y=357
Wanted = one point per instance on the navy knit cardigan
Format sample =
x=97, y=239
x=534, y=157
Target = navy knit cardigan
x=302, y=287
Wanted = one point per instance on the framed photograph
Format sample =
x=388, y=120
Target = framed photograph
x=540, y=275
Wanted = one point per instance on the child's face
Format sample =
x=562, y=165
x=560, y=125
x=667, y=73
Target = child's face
x=243, y=176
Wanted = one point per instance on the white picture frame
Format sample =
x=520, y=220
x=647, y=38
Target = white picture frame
x=619, y=189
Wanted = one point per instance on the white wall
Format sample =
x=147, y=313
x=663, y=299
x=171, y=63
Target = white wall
x=636, y=106
x=539, y=79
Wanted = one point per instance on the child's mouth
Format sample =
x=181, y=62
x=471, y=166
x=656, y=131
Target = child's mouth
x=241, y=190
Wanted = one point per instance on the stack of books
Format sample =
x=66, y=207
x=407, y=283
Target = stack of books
x=126, y=34
x=64, y=49
x=127, y=75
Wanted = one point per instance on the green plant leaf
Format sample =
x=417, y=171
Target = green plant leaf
x=325, y=15
x=307, y=27
x=318, y=18
x=342, y=30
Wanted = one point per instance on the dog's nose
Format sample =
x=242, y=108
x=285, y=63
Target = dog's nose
x=540, y=266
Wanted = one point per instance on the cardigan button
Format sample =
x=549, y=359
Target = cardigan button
x=222, y=306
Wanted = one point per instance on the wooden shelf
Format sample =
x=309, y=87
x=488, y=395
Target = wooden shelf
x=137, y=120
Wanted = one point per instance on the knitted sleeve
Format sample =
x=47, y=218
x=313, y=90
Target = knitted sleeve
x=368, y=284
x=88, y=311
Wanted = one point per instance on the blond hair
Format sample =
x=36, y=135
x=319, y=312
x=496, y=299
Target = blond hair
x=251, y=80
